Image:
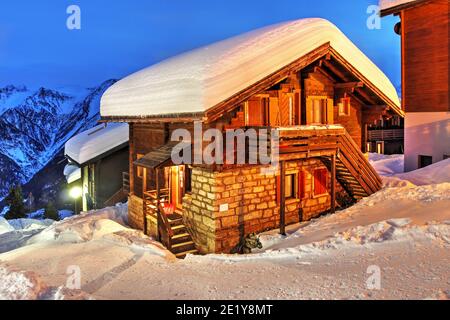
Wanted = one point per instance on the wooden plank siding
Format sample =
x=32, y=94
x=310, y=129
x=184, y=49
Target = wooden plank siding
x=425, y=50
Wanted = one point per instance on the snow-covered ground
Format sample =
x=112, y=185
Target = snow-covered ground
x=401, y=233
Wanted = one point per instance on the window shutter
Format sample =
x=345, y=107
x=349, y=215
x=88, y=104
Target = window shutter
x=255, y=114
x=278, y=186
x=330, y=111
x=309, y=111
x=274, y=112
x=284, y=102
x=297, y=109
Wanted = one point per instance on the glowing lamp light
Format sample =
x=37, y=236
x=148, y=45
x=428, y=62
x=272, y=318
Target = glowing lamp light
x=75, y=192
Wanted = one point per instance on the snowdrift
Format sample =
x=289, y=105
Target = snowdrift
x=391, y=168
x=438, y=172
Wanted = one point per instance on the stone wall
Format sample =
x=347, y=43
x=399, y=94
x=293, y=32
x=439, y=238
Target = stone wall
x=135, y=212
x=226, y=206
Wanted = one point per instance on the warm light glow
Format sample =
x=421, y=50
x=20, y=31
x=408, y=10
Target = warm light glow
x=75, y=192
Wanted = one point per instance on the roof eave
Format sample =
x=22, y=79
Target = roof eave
x=168, y=117
x=397, y=9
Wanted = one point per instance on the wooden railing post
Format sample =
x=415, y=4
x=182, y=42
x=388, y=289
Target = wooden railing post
x=333, y=183
x=282, y=198
x=144, y=200
x=158, y=201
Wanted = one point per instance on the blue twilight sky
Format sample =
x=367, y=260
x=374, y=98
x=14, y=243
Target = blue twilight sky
x=118, y=37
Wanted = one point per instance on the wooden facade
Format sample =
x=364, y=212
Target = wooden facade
x=319, y=106
x=424, y=29
x=425, y=56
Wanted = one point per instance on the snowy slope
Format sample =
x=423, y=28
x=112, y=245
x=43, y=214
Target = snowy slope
x=198, y=80
x=35, y=124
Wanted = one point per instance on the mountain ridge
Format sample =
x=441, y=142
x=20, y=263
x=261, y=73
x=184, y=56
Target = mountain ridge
x=35, y=125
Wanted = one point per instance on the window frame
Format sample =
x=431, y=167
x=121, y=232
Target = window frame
x=294, y=186
x=345, y=103
x=299, y=191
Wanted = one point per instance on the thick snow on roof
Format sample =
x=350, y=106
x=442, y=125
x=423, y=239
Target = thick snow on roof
x=96, y=141
x=72, y=173
x=389, y=4
x=200, y=79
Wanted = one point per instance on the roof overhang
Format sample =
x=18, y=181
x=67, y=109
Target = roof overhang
x=402, y=6
x=161, y=156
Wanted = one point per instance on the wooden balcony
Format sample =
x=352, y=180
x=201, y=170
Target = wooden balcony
x=385, y=135
x=298, y=142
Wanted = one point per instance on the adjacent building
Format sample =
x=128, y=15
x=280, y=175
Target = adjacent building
x=425, y=33
x=98, y=165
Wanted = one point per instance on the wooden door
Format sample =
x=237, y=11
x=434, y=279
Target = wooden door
x=176, y=185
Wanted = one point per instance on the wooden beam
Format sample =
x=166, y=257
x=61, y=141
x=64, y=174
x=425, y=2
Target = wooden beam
x=158, y=199
x=144, y=188
x=365, y=95
x=356, y=98
x=349, y=85
x=325, y=74
x=131, y=158
x=367, y=83
x=282, y=198
x=336, y=71
x=333, y=183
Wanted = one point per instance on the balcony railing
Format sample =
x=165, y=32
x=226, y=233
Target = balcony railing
x=385, y=135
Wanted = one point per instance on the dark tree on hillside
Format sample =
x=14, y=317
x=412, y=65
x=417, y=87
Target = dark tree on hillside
x=15, y=202
x=51, y=212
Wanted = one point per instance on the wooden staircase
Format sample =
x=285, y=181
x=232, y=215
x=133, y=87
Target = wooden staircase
x=172, y=232
x=179, y=240
x=353, y=171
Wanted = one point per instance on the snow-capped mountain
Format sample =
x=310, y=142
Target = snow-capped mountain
x=36, y=123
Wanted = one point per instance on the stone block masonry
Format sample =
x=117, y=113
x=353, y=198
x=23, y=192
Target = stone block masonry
x=226, y=206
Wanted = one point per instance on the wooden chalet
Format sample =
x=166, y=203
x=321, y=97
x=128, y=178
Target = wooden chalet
x=305, y=80
x=424, y=31
x=98, y=164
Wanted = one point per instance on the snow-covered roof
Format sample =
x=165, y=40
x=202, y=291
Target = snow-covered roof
x=393, y=4
x=96, y=141
x=200, y=79
x=72, y=173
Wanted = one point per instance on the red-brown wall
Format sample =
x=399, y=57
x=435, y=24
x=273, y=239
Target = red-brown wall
x=425, y=51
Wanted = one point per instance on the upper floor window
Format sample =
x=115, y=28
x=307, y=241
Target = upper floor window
x=319, y=110
x=344, y=107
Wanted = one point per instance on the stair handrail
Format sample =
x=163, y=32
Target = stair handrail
x=164, y=228
x=364, y=168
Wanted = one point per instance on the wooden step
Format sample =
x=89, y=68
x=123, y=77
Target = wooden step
x=181, y=238
x=183, y=246
x=182, y=255
x=181, y=228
